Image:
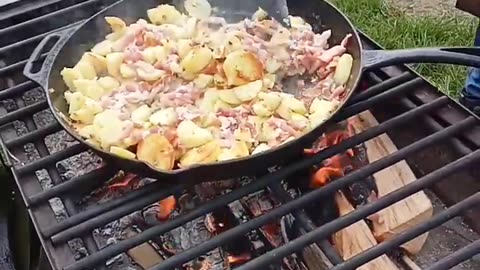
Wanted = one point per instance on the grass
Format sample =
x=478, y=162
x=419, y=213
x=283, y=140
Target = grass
x=394, y=29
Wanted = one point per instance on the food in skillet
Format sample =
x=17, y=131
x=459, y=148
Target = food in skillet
x=191, y=89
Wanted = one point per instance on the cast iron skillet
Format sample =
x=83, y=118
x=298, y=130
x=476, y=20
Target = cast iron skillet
x=73, y=42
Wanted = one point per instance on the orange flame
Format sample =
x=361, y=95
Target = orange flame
x=127, y=181
x=239, y=259
x=167, y=206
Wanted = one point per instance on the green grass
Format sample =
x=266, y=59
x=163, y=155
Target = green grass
x=394, y=29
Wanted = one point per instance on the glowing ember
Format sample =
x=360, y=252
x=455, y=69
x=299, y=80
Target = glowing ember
x=128, y=181
x=239, y=259
x=166, y=207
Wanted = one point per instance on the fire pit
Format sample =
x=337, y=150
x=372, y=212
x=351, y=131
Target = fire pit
x=361, y=197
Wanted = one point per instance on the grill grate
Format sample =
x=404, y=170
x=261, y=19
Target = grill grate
x=34, y=19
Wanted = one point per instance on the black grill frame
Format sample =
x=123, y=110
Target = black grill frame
x=407, y=87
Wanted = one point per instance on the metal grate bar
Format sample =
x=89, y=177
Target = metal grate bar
x=23, y=112
x=308, y=225
x=35, y=135
x=367, y=210
x=458, y=257
x=50, y=16
x=286, y=208
x=381, y=87
x=114, y=214
x=17, y=66
x=64, y=188
x=17, y=90
x=260, y=183
x=51, y=159
x=367, y=104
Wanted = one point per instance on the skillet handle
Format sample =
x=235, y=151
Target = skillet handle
x=41, y=76
x=466, y=56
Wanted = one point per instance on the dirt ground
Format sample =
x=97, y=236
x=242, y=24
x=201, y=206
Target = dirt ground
x=437, y=7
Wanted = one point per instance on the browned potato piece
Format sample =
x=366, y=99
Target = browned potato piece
x=157, y=150
x=206, y=153
x=242, y=67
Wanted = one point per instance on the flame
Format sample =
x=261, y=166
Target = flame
x=239, y=259
x=335, y=166
x=129, y=180
x=166, y=207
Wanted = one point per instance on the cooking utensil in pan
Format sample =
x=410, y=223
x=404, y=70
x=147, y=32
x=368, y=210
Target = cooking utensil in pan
x=71, y=43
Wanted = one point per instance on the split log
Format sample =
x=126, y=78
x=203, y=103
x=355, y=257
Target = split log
x=357, y=238
x=405, y=214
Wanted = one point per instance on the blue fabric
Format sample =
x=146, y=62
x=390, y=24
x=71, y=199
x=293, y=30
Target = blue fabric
x=472, y=85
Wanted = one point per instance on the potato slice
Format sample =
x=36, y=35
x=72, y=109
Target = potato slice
x=86, y=69
x=183, y=47
x=149, y=73
x=203, y=81
x=239, y=149
x=259, y=15
x=228, y=96
x=190, y=135
x=197, y=59
x=290, y=105
x=200, y=9
x=141, y=114
x=321, y=111
x=89, y=88
x=343, y=69
x=108, y=128
x=127, y=71
x=165, y=117
x=268, y=133
x=87, y=112
x=261, y=109
x=248, y=91
x=156, y=150
x=204, y=154
x=271, y=100
x=210, y=98
x=69, y=75
x=242, y=67
x=76, y=100
x=269, y=81
x=98, y=61
x=117, y=24
x=87, y=132
x=261, y=148
x=164, y=14
x=114, y=61
x=123, y=153
x=103, y=48
x=220, y=104
x=109, y=84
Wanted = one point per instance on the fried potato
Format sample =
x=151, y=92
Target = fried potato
x=239, y=149
x=261, y=109
x=197, y=59
x=204, y=154
x=108, y=128
x=242, y=67
x=271, y=100
x=86, y=69
x=156, y=150
x=321, y=110
x=76, y=101
x=98, y=61
x=103, y=48
x=164, y=14
x=109, y=84
x=87, y=112
x=114, y=61
x=183, y=47
x=69, y=75
x=127, y=71
x=190, y=135
x=117, y=24
x=202, y=81
x=123, y=153
x=141, y=114
x=343, y=69
x=261, y=148
x=86, y=132
x=165, y=117
x=220, y=104
x=290, y=105
x=260, y=14
x=200, y=9
x=89, y=88
x=210, y=98
x=268, y=133
x=148, y=72
x=248, y=91
x=228, y=96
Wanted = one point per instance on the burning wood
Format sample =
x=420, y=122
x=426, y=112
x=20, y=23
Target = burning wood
x=166, y=208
